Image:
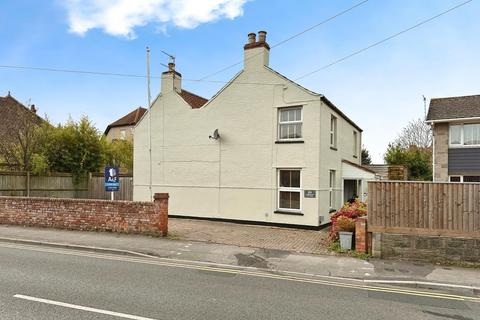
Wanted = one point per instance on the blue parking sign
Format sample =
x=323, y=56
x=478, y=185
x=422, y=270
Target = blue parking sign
x=112, y=179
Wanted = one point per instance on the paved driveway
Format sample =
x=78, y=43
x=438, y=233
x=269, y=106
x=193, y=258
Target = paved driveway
x=297, y=240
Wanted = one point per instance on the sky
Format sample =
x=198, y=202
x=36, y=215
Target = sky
x=380, y=89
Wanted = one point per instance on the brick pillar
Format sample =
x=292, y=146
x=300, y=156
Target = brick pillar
x=361, y=234
x=161, y=202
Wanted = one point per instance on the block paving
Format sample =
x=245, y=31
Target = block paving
x=268, y=237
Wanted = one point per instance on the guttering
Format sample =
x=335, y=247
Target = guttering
x=451, y=120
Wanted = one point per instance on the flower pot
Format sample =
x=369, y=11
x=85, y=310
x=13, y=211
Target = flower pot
x=346, y=240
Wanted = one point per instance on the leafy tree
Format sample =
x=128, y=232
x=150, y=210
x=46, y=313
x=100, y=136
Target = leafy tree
x=76, y=147
x=366, y=159
x=413, y=149
x=417, y=160
x=120, y=153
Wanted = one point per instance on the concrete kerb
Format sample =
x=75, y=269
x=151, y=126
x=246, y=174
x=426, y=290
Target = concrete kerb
x=475, y=291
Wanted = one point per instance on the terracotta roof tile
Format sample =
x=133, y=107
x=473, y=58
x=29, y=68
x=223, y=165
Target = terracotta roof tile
x=128, y=120
x=195, y=101
x=14, y=113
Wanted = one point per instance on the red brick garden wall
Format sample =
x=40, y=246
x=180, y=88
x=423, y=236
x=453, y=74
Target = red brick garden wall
x=99, y=215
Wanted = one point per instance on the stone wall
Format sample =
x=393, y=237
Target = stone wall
x=426, y=248
x=440, y=133
x=98, y=215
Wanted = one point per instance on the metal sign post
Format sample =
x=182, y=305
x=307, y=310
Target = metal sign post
x=112, y=180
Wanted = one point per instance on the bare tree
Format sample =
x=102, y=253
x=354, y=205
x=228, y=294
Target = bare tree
x=20, y=135
x=416, y=133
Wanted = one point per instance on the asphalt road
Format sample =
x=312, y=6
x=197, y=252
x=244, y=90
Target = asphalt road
x=47, y=283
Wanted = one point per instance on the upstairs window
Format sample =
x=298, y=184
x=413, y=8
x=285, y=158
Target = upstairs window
x=465, y=135
x=333, y=132
x=471, y=134
x=123, y=134
x=455, y=135
x=290, y=123
x=355, y=143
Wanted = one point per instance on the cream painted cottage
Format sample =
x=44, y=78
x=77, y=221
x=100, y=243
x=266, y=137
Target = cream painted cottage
x=263, y=149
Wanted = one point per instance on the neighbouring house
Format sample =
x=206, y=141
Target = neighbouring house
x=262, y=149
x=455, y=124
x=122, y=129
x=17, y=124
x=388, y=171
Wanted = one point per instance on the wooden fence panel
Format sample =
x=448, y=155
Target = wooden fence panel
x=12, y=183
x=97, y=189
x=62, y=185
x=427, y=208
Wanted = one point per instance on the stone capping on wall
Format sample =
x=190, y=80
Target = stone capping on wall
x=87, y=214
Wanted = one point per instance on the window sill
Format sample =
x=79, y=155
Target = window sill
x=288, y=212
x=333, y=148
x=355, y=157
x=289, y=141
x=464, y=146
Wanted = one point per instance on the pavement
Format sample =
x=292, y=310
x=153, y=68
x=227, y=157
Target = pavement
x=373, y=271
x=41, y=283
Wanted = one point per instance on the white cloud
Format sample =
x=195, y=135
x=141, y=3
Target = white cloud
x=120, y=17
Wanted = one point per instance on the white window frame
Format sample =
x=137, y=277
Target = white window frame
x=331, y=194
x=462, y=140
x=450, y=180
x=461, y=178
x=355, y=143
x=280, y=122
x=333, y=131
x=123, y=134
x=287, y=189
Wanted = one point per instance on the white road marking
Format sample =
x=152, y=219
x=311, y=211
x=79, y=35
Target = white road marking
x=77, y=307
x=249, y=272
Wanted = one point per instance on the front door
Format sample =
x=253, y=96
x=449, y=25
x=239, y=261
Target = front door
x=350, y=190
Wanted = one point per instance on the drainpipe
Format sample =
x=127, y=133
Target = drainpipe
x=433, y=152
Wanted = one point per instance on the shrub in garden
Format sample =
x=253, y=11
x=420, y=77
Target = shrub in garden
x=349, y=210
x=345, y=224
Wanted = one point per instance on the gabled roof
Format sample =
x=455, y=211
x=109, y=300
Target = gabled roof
x=454, y=108
x=195, y=101
x=11, y=110
x=322, y=97
x=128, y=120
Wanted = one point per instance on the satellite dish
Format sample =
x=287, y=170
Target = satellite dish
x=215, y=135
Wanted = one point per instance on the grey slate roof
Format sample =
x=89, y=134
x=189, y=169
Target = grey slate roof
x=454, y=108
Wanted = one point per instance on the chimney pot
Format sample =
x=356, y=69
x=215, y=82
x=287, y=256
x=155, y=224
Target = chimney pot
x=171, y=66
x=262, y=36
x=33, y=109
x=252, y=37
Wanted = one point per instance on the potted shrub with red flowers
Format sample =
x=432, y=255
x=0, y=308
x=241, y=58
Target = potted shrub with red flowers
x=347, y=215
x=345, y=227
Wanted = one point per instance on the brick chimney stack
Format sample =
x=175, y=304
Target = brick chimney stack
x=171, y=80
x=256, y=53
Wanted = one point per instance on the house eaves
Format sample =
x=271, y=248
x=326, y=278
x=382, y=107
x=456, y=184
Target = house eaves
x=322, y=98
